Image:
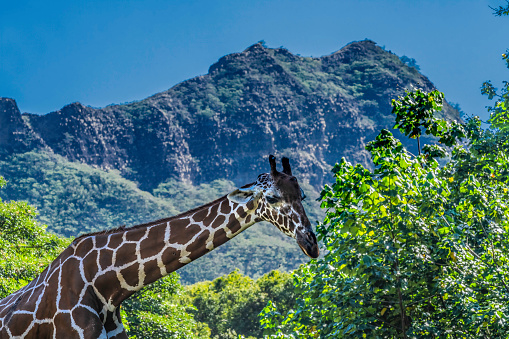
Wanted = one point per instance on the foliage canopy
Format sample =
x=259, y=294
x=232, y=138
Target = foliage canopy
x=414, y=249
x=157, y=312
x=230, y=304
x=25, y=247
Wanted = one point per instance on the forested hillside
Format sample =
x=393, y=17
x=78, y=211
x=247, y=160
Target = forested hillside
x=87, y=169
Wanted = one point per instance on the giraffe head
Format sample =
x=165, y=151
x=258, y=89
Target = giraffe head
x=276, y=197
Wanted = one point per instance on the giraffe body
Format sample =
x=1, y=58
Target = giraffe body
x=79, y=294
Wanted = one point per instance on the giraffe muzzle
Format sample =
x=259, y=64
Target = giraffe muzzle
x=308, y=244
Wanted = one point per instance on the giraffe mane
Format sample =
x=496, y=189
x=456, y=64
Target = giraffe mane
x=159, y=221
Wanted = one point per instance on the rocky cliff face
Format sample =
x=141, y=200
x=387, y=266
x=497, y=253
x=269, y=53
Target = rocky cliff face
x=224, y=124
x=15, y=134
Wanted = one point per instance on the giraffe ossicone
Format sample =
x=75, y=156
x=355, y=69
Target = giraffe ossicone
x=78, y=295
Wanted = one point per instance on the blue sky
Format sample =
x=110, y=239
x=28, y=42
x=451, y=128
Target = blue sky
x=101, y=52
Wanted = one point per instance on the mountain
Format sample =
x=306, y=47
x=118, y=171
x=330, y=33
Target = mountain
x=202, y=137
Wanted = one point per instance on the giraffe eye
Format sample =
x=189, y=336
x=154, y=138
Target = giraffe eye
x=272, y=199
x=302, y=195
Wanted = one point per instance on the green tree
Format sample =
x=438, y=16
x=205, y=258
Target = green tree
x=501, y=10
x=415, y=114
x=230, y=304
x=414, y=249
x=411, y=62
x=25, y=247
x=157, y=312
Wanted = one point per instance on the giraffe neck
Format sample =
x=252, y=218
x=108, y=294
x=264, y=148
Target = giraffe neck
x=121, y=263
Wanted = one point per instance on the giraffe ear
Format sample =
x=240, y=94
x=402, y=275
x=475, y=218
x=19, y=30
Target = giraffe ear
x=286, y=166
x=243, y=195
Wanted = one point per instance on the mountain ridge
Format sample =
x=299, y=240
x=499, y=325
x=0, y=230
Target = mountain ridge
x=192, y=130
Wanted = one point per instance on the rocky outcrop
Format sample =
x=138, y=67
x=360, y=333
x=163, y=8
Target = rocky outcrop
x=15, y=134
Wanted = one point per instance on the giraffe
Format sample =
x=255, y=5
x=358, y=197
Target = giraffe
x=79, y=294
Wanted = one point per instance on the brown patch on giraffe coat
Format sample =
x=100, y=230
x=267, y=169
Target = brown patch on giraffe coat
x=219, y=237
x=218, y=221
x=71, y=278
x=125, y=254
x=105, y=258
x=108, y=284
x=101, y=240
x=225, y=207
x=90, y=265
x=213, y=213
x=280, y=220
x=199, y=216
x=84, y=247
x=177, y=225
x=19, y=323
x=64, y=328
x=198, y=245
x=38, y=328
x=130, y=274
x=184, y=235
x=152, y=271
x=71, y=296
x=115, y=240
x=173, y=266
x=152, y=245
x=134, y=234
x=233, y=224
x=241, y=212
x=170, y=254
x=88, y=321
x=250, y=205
